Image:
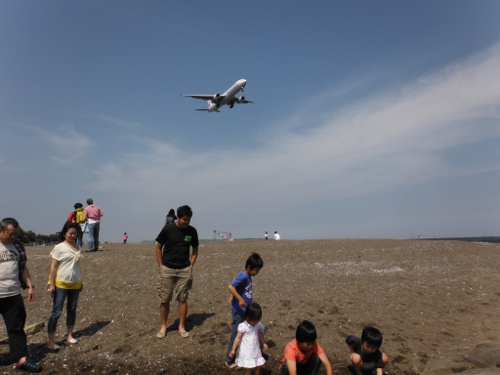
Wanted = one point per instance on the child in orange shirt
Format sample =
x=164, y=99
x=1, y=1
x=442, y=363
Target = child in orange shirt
x=303, y=355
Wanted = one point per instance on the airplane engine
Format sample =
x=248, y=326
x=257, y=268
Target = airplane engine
x=241, y=99
x=216, y=98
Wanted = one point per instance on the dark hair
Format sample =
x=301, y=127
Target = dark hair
x=184, y=211
x=78, y=205
x=8, y=221
x=67, y=226
x=90, y=201
x=253, y=312
x=171, y=213
x=372, y=336
x=306, y=332
x=254, y=261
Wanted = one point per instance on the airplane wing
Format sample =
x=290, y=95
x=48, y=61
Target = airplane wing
x=240, y=100
x=244, y=101
x=205, y=110
x=206, y=97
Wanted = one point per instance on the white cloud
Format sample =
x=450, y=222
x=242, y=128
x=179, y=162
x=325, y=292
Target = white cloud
x=68, y=144
x=65, y=144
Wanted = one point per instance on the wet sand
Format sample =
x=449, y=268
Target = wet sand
x=436, y=302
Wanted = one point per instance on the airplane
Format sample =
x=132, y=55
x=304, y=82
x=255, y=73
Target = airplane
x=216, y=101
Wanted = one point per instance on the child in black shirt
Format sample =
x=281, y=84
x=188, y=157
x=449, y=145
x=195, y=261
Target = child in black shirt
x=366, y=357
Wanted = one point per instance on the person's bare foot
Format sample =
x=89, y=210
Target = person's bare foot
x=53, y=347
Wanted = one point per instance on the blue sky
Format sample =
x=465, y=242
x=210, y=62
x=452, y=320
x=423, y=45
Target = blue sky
x=371, y=118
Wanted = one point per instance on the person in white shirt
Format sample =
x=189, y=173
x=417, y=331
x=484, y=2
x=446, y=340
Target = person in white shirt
x=65, y=282
x=276, y=235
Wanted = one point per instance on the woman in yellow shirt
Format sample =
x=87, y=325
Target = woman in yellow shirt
x=65, y=281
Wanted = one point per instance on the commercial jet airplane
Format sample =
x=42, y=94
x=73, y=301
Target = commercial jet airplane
x=216, y=101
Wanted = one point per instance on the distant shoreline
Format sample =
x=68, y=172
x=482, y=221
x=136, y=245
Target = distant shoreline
x=492, y=239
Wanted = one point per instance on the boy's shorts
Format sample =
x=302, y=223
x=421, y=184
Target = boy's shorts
x=174, y=283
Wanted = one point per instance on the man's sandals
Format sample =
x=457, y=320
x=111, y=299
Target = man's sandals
x=161, y=335
x=184, y=334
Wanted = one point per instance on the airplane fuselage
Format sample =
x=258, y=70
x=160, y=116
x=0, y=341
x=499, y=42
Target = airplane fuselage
x=228, y=96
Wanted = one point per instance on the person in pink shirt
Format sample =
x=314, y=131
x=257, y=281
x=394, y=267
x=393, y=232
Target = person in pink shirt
x=93, y=214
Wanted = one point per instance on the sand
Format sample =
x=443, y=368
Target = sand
x=436, y=302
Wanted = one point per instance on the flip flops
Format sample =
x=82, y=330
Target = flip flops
x=161, y=335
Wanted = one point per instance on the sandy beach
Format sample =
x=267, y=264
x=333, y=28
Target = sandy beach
x=436, y=302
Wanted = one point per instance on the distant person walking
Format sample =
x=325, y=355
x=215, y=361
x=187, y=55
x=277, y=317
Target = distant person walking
x=276, y=236
x=93, y=214
x=65, y=282
x=170, y=217
x=78, y=216
x=175, y=264
x=125, y=237
x=266, y=235
x=15, y=275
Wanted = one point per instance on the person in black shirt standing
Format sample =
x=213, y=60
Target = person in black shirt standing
x=175, y=263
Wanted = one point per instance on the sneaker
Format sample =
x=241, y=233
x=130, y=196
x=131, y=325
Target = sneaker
x=29, y=367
